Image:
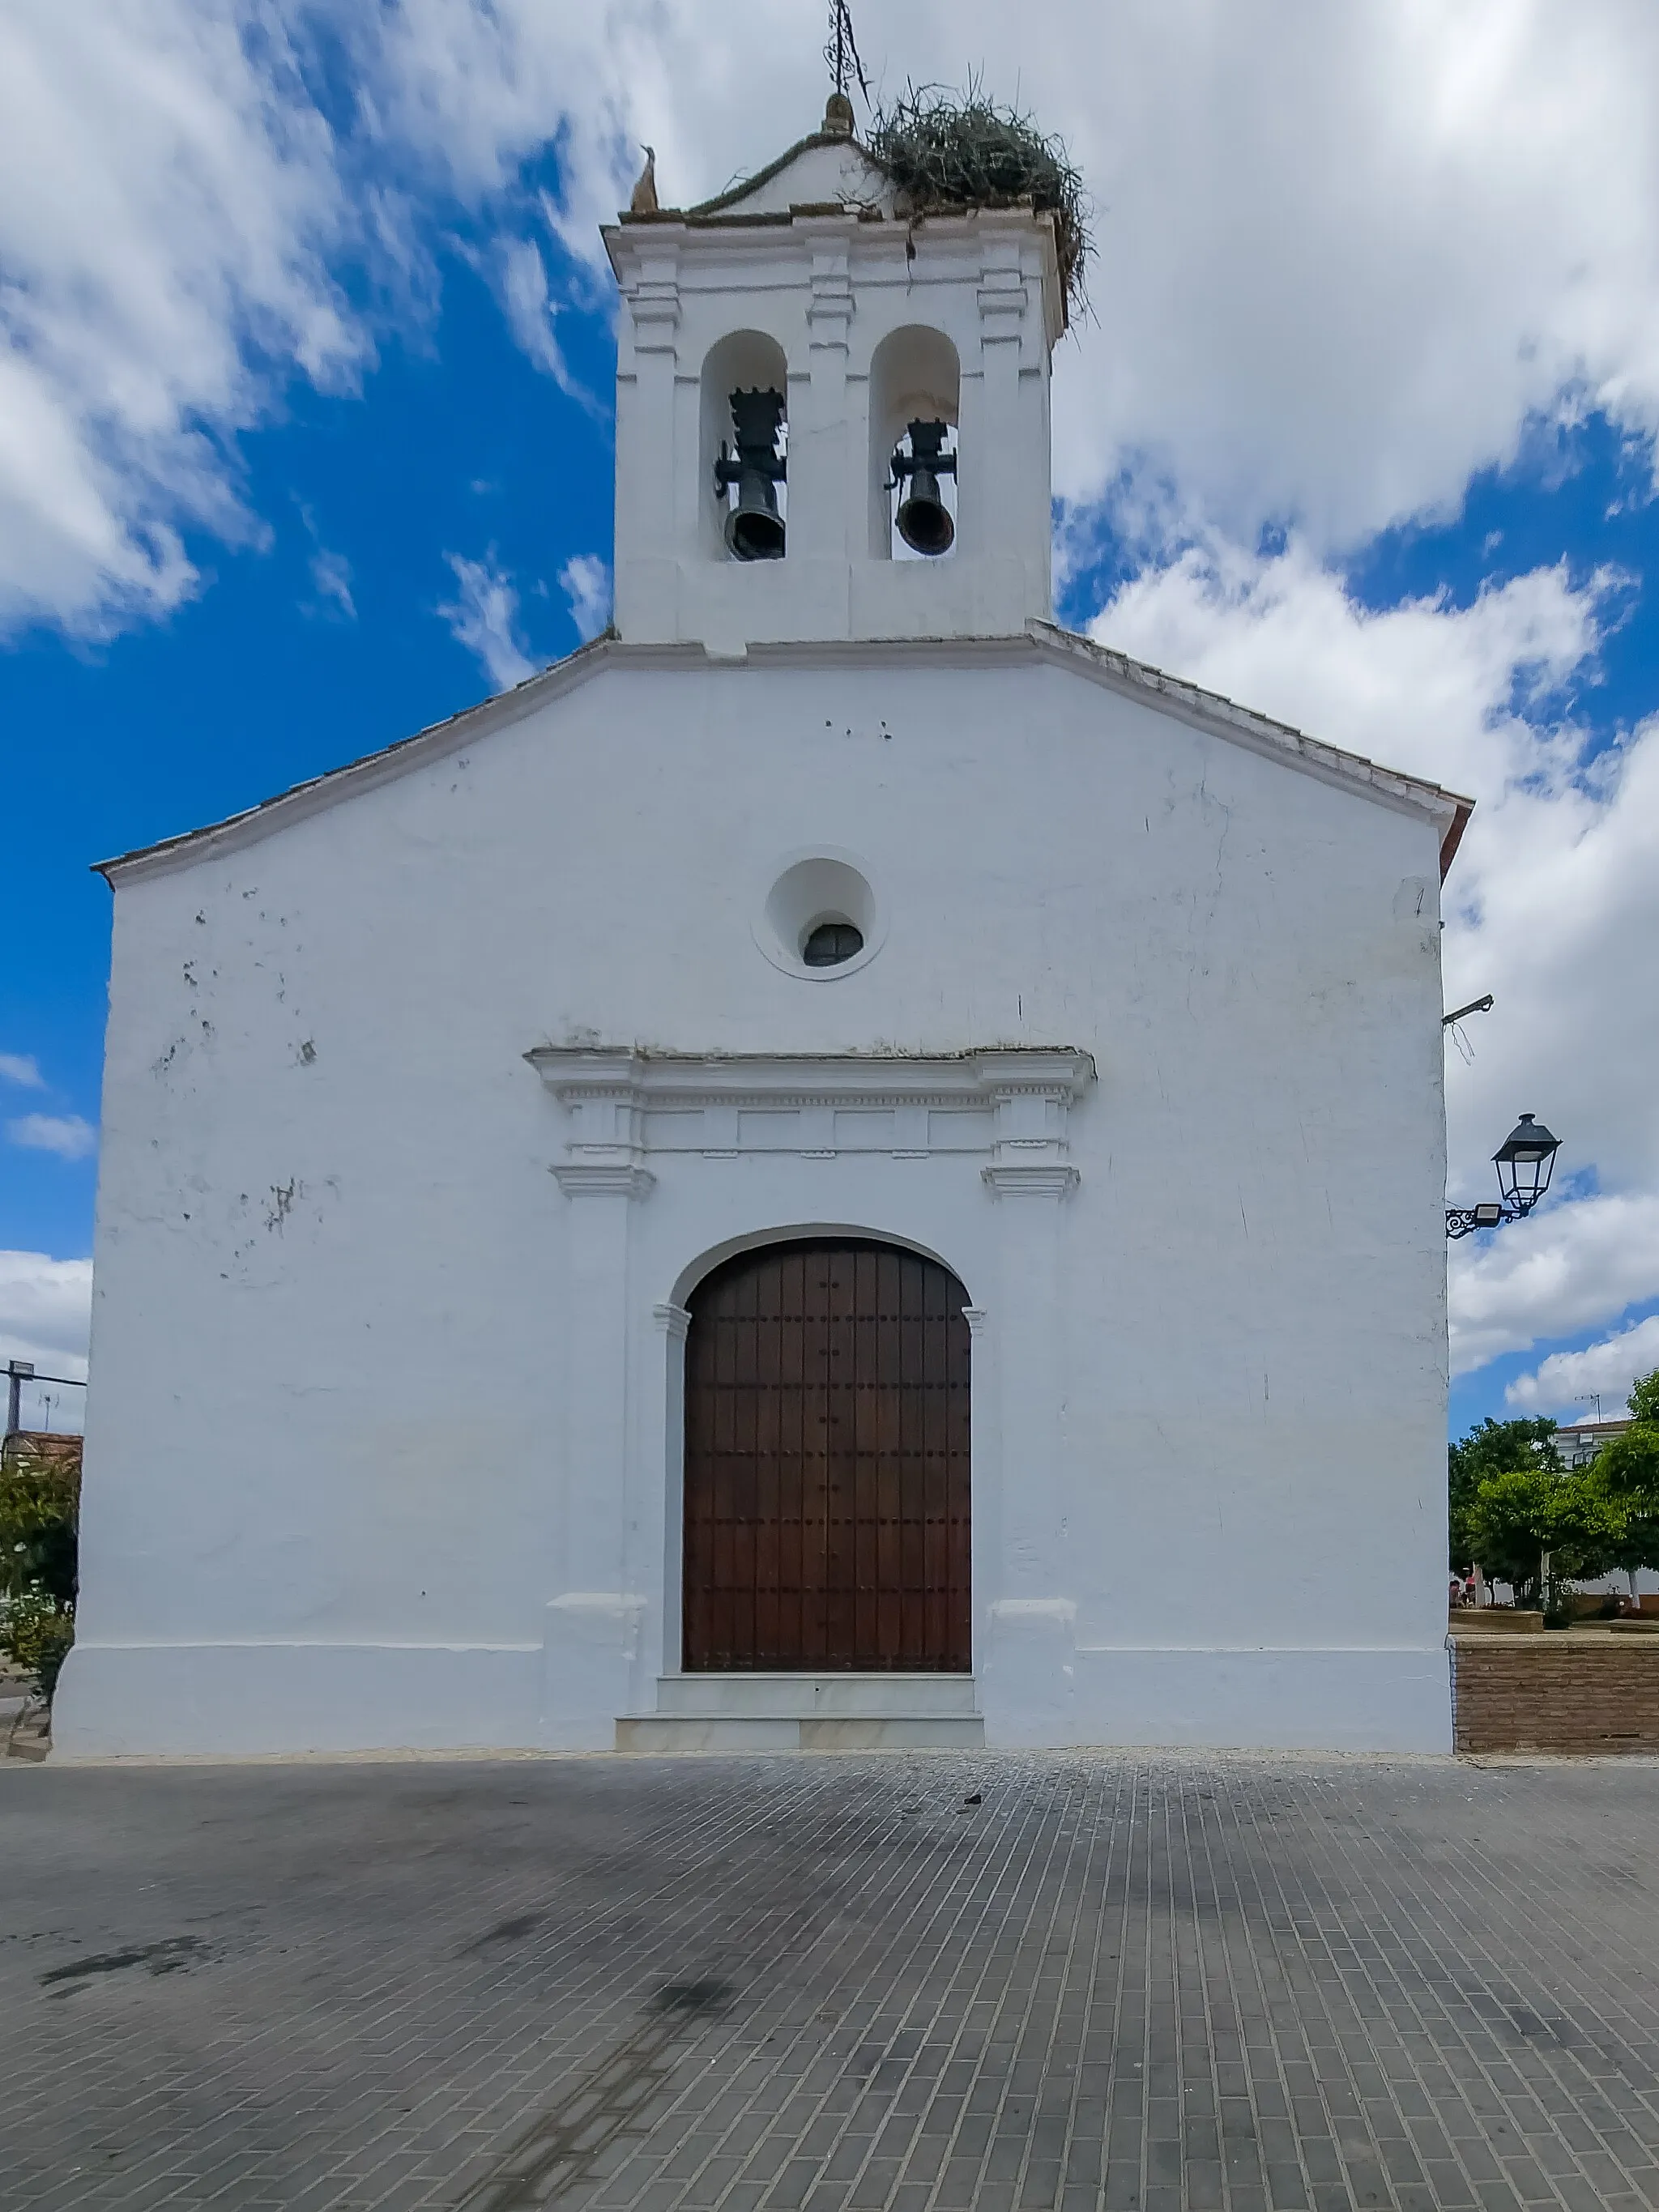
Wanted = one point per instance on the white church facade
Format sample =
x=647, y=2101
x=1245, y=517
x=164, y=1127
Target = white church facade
x=842, y=1167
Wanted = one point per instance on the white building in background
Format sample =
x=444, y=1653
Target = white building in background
x=1578, y=1442
x=843, y=1165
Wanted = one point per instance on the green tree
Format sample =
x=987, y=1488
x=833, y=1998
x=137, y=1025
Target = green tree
x=1495, y=1448
x=1519, y=1516
x=39, y=1510
x=1637, y=1545
x=1626, y=1472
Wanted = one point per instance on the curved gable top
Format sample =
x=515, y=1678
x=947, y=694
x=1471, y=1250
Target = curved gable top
x=1044, y=643
x=825, y=169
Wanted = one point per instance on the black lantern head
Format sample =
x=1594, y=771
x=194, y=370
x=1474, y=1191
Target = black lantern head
x=1524, y=1162
x=924, y=520
x=754, y=528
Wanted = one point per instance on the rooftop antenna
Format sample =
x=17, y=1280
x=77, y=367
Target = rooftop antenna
x=842, y=54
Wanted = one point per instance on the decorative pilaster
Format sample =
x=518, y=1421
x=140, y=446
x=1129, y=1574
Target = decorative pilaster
x=991, y=488
x=656, y=1532
x=646, y=476
x=593, y=1624
x=1030, y=1630
x=1028, y=1332
x=823, y=490
x=596, y=1368
x=1031, y=1095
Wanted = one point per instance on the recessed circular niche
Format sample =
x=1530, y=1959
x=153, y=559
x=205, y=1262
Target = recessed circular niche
x=821, y=919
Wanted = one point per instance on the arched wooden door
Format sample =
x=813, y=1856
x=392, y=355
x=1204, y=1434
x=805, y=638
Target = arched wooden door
x=827, y=1463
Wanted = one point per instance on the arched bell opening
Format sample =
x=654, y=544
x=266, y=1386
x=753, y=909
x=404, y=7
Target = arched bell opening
x=827, y=1491
x=743, y=497
x=916, y=391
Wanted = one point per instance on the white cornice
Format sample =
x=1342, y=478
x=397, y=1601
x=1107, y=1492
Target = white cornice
x=781, y=245
x=603, y=1178
x=1031, y=1178
x=1042, y=643
x=621, y=1106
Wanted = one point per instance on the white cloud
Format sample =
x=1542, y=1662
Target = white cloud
x=1574, y=1267
x=66, y=1134
x=1605, y=1371
x=1552, y=888
x=585, y=579
x=330, y=572
x=532, y=314
x=45, y=1312
x=167, y=202
x=483, y=617
x=1345, y=254
x=1422, y=686
x=22, y=1069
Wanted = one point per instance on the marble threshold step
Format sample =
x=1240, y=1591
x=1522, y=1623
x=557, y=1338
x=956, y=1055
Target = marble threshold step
x=806, y=1712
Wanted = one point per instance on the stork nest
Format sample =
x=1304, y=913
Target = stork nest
x=946, y=151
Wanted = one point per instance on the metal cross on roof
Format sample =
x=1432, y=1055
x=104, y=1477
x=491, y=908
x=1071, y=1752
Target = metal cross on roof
x=841, y=52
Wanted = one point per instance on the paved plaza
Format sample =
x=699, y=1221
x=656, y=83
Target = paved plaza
x=1069, y=1981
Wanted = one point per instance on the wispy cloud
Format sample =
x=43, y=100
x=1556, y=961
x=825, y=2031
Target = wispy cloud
x=169, y=208
x=331, y=575
x=483, y=617
x=66, y=1134
x=532, y=315
x=585, y=579
x=22, y=1069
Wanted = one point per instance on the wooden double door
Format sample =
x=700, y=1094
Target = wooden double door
x=827, y=1463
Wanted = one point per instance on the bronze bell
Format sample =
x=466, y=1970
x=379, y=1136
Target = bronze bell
x=924, y=519
x=754, y=528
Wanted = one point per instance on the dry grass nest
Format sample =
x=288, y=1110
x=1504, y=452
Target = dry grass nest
x=947, y=151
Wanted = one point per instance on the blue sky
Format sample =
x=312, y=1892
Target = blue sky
x=308, y=364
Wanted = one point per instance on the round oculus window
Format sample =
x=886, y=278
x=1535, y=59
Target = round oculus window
x=828, y=943
x=821, y=919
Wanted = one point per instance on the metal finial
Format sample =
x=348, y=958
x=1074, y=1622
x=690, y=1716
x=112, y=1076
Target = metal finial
x=840, y=52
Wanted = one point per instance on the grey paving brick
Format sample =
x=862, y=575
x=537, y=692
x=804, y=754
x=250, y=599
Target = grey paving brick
x=1126, y=1985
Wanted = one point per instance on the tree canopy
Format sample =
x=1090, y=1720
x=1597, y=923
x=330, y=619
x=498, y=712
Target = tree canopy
x=1625, y=1471
x=1495, y=1448
x=1517, y=1515
x=1511, y=1500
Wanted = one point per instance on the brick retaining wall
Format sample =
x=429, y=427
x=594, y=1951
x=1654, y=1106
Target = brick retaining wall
x=1573, y=1690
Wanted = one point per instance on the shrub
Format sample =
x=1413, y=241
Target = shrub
x=36, y=1634
x=39, y=1511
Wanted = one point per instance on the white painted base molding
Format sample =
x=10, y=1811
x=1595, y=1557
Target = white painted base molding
x=806, y=1712
x=1035, y=1690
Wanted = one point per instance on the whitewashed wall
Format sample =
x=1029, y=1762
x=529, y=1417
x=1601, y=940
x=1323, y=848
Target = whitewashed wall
x=331, y=1500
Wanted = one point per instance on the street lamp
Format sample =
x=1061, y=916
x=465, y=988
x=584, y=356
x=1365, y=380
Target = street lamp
x=1524, y=1162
